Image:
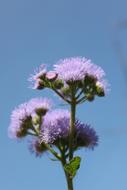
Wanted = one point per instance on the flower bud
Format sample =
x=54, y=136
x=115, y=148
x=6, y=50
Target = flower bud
x=90, y=97
x=51, y=75
x=99, y=90
x=58, y=84
x=89, y=84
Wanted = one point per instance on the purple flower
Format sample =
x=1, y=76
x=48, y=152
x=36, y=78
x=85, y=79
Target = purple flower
x=56, y=126
x=72, y=69
x=20, y=121
x=21, y=117
x=85, y=135
x=39, y=105
x=38, y=74
x=37, y=147
x=77, y=68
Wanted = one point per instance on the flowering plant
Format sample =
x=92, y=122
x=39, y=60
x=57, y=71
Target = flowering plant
x=75, y=81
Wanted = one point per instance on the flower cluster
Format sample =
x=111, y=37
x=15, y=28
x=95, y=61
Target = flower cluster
x=74, y=78
x=54, y=128
x=79, y=73
x=58, y=131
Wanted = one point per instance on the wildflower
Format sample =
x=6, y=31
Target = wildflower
x=20, y=121
x=39, y=105
x=79, y=70
x=56, y=126
x=76, y=68
x=37, y=77
x=23, y=116
x=85, y=135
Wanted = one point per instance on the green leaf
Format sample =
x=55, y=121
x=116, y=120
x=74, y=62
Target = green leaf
x=72, y=167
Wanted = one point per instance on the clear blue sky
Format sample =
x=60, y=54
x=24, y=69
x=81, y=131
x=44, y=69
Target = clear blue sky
x=36, y=31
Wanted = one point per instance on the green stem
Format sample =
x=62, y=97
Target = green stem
x=69, y=180
x=53, y=151
x=81, y=100
x=80, y=93
x=58, y=93
x=72, y=125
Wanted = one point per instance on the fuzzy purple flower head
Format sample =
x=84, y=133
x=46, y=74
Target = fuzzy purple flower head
x=85, y=135
x=77, y=68
x=56, y=126
x=36, y=77
x=71, y=69
x=21, y=117
x=39, y=105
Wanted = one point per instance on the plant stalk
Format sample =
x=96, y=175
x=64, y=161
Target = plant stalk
x=69, y=180
x=72, y=125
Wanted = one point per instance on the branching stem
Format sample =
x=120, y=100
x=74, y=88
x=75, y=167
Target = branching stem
x=58, y=93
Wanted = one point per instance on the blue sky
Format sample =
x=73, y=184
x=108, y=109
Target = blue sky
x=43, y=31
